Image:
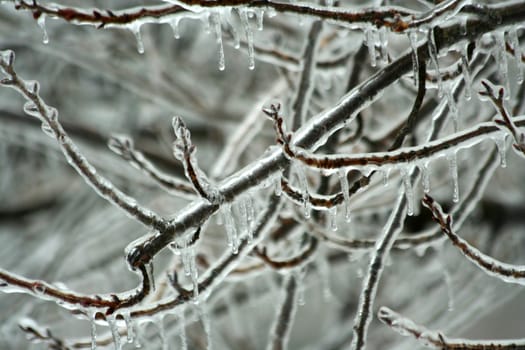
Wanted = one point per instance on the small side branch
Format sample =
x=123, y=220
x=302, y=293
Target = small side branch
x=301, y=259
x=184, y=151
x=436, y=340
x=123, y=146
x=507, y=121
x=505, y=272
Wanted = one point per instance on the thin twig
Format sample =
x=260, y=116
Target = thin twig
x=437, y=340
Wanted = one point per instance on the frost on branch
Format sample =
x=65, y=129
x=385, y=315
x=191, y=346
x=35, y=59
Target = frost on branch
x=284, y=238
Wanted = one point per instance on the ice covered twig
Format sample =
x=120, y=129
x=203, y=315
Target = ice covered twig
x=505, y=272
x=507, y=122
x=124, y=147
x=437, y=340
x=184, y=151
x=36, y=107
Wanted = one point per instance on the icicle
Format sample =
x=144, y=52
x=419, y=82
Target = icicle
x=231, y=231
x=383, y=44
x=174, y=24
x=162, y=334
x=299, y=277
x=114, y=332
x=323, y=268
x=412, y=36
x=206, y=19
x=386, y=173
x=194, y=277
x=466, y=77
x=233, y=30
x=452, y=106
x=243, y=216
x=501, y=144
x=345, y=189
x=448, y=284
x=93, y=331
x=278, y=187
x=249, y=38
x=500, y=55
x=135, y=29
x=433, y=52
x=515, y=43
x=151, y=277
x=130, y=327
x=425, y=181
x=182, y=331
x=303, y=184
x=409, y=191
x=216, y=17
x=453, y=171
x=206, y=325
x=332, y=214
x=41, y=21
x=371, y=39
x=46, y=129
x=259, y=16
x=464, y=26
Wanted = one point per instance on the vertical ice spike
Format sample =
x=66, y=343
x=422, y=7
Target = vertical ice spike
x=412, y=37
x=448, y=284
x=323, y=268
x=162, y=334
x=453, y=171
x=243, y=216
x=466, y=77
x=135, y=29
x=93, y=331
x=386, y=173
x=41, y=21
x=345, y=189
x=216, y=18
x=151, y=276
x=303, y=185
x=259, y=16
x=206, y=325
x=515, y=43
x=500, y=54
x=383, y=44
x=409, y=191
x=433, y=52
x=114, y=332
x=371, y=39
x=332, y=218
x=501, y=144
x=182, y=334
x=452, y=106
x=130, y=326
x=174, y=24
x=231, y=231
x=249, y=38
x=425, y=174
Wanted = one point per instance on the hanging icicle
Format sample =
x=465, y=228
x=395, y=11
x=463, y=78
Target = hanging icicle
x=249, y=37
x=409, y=191
x=216, y=19
x=453, y=171
x=412, y=36
x=433, y=52
x=345, y=189
x=41, y=21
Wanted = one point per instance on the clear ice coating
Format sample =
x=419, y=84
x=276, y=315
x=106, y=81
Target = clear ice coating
x=174, y=24
x=371, y=39
x=112, y=323
x=93, y=332
x=134, y=27
x=425, y=177
x=332, y=218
